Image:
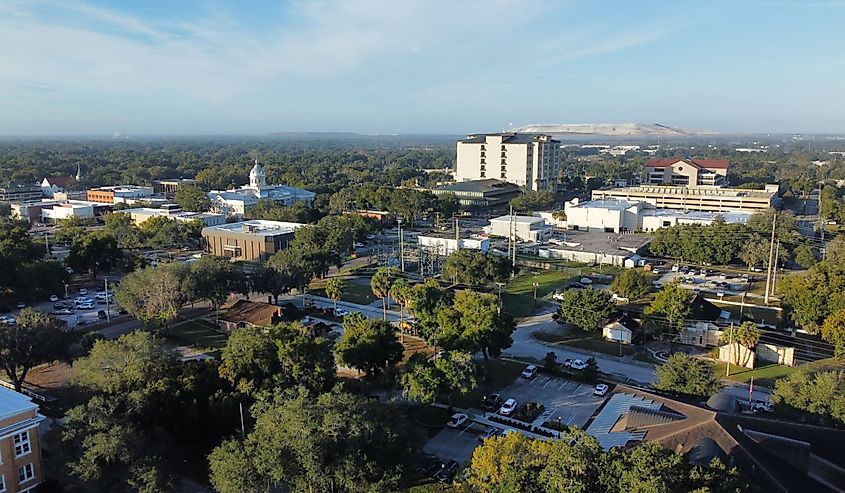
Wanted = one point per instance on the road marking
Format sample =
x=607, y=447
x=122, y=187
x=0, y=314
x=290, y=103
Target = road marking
x=467, y=427
x=570, y=418
x=550, y=381
x=578, y=389
x=562, y=386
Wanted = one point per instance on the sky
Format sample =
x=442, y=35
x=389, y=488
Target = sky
x=189, y=67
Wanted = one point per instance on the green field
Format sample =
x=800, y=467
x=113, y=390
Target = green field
x=764, y=376
x=353, y=293
x=197, y=335
x=518, y=296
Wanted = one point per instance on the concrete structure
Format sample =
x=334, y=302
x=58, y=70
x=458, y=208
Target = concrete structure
x=50, y=211
x=687, y=172
x=525, y=228
x=616, y=332
x=168, y=188
x=531, y=161
x=481, y=193
x=445, y=244
x=20, y=446
x=737, y=354
x=237, y=202
x=20, y=192
x=781, y=355
x=617, y=216
x=120, y=194
x=597, y=248
x=710, y=199
x=173, y=211
x=249, y=240
x=54, y=184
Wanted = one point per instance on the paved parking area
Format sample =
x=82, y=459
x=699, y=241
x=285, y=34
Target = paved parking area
x=455, y=443
x=571, y=402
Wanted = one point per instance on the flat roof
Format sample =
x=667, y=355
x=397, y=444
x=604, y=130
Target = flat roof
x=257, y=227
x=12, y=403
x=607, y=243
x=612, y=204
x=689, y=191
x=519, y=219
x=510, y=138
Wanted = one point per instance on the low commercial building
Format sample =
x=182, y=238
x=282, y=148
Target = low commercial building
x=249, y=240
x=168, y=188
x=618, y=216
x=524, y=228
x=20, y=192
x=173, y=211
x=708, y=199
x=50, y=211
x=445, y=244
x=20, y=446
x=55, y=184
x=121, y=194
x=597, y=248
x=483, y=194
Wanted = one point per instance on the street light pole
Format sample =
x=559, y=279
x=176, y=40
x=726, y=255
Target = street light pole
x=108, y=314
x=401, y=247
x=500, y=286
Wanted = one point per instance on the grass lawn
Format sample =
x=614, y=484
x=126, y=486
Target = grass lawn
x=771, y=317
x=518, y=297
x=353, y=293
x=601, y=346
x=197, y=335
x=764, y=376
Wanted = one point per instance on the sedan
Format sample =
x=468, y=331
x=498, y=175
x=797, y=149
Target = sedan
x=578, y=365
x=457, y=420
x=530, y=371
x=85, y=306
x=21, y=305
x=54, y=298
x=600, y=390
x=340, y=312
x=83, y=291
x=508, y=407
x=63, y=311
x=492, y=402
x=488, y=433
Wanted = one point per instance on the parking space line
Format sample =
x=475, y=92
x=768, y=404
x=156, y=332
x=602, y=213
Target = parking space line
x=465, y=429
x=562, y=386
x=578, y=389
x=550, y=381
x=570, y=418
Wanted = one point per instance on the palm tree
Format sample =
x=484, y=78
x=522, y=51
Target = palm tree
x=334, y=289
x=380, y=285
x=747, y=335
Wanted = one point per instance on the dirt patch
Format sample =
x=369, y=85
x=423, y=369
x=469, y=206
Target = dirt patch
x=50, y=377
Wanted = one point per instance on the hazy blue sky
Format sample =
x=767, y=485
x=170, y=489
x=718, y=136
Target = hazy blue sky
x=417, y=66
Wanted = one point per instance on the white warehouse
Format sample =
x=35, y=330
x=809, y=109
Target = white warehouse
x=618, y=216
x=525, y=228
x=444, y=245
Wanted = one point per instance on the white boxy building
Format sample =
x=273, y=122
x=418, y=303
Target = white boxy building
x=444, y=244
x=525, y=228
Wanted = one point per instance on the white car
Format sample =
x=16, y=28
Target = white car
x=578, y=365
x=68, y=270
x=600, y=390
x=720, y=294
x=83, y=291
x=54, y=298
x=85, y=306
x=340, y=312
x=358, y=244
x=508, y=407
x=586, y=280
x=457, y=420
x=83, y=299
x=530, y=371
x=764, y=406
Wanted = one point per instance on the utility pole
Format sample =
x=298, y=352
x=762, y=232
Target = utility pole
x=513, y=219
x=775, y=268
x=401, y=247
x=47, y=243
x=730, y=348
x=771, y=253
x=457, y=234
x=500, y=285
x=108, y=315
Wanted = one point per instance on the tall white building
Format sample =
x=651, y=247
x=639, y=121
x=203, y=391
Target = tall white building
x=531, y=161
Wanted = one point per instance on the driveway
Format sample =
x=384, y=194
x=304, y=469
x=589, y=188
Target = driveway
x=570, y=402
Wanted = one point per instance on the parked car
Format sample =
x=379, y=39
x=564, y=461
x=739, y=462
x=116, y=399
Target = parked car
x=568, y=362
x=54, y=298
x=430, y=465
x=358, y=244
x=508, y=407
x=720, y=294
x=340, y=312
x=457, y=420
x=20, y=305
x=578, y=365
x=618, y=299
x=488, y=433
x=60, y=305
x=491, y=402
x=83, y=291
x=600, y=390
x=102, y=315
x=80, y=320
x=83, y=299
x=447, y=473
x=764, y=406
x=63, y=311
x=530, y=371
x=675, y=268
x=68, y=270
x=586, y=281
x=85, y=306
x=7, y=320
x=577, y=285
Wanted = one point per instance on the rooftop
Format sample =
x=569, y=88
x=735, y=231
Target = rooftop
x=519, y=219
x=698, y=163
x=611, y=204
x=481, y=186
x=257, y=227
x=12, y=403
x=508, y=138
x=697, y=191
x=607, y=243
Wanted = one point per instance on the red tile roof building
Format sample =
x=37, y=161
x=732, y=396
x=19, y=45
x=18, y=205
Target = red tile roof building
x=687, y=172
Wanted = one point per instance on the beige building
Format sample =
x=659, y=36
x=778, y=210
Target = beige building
x=173, y=211
x=531, y=161
x=712, y=199
x=687, y=172
x=20, y=449
x=249, y=240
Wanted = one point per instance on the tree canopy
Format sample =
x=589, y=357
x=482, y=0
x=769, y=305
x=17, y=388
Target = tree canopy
x=585, y=308
x=36, y=338
x=688, y=375
x=368, y=345
x=669, y=310
x=475, y=268
x=632, y=283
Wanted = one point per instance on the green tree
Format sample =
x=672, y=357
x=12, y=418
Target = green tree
x=669, y=310
x=482, y=326
x=834, y=251
x=121, y=226
x=755, y=251
x=38, y=280
x=154, y=295
x=213, y=279
x=685, y=374
x=809, y=298
x=249, y=361
x=585, y=308
x=334, y=289
x=533, y=201
x=441, y=377
x=95, y=251
x=746, y=334
x=16, y=250
x=632, y=284
x=36, y=338
x=833, y=331
x=265, y=279
x=192, y=198
x=821, y=394
x=473, y=267
x=804, y=256
x=368, y=345
x=380, y=284
x=331, y=442
x=591, y=372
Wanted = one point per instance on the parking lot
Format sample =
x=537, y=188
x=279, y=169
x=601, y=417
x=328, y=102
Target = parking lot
x=570, y=402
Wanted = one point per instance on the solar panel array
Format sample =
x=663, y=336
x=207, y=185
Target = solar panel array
x=618, y=405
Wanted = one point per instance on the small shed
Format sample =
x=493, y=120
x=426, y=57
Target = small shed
x=616, y=331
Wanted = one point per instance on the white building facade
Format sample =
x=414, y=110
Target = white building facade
x=237, y=202
x=442, y=245
x=524, y=228
x=531, y=161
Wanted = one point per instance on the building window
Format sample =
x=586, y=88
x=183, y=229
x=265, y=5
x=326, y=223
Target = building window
x=22, y=445
x=2, y=483
x=25, y=473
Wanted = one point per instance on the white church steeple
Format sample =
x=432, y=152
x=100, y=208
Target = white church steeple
x=257, y=178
